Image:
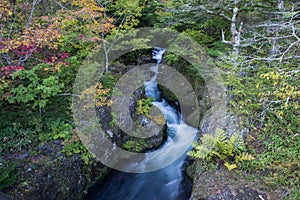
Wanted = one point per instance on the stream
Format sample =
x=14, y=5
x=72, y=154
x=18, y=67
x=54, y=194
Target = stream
x=169, y=183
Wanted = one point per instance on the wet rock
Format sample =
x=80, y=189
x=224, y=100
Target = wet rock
x=167, y=94
x=190, y=171
x=105, y=117
x=119, y=137
x=144, y=120
x=137, y=95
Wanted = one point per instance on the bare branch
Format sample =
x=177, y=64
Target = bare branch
x=34, y=3
x=224, y=40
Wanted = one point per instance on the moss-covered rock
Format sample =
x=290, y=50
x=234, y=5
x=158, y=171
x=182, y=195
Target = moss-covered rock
x=212, y=183
x=47, y=173
x=167, y=94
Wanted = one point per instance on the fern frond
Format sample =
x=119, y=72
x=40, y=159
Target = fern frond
x=221, y=135
x=209, y=141
x=230, y=166
x=247, y=156
x=221, y=156
x=226, y=148
x=243, y=157
x=199, y=152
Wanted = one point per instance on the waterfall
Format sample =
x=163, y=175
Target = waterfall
x=163, y=184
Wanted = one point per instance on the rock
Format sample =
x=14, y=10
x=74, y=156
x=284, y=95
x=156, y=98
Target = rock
x=190, y=171
x=167, y=94
x=49, y=174
x=5, y=196
x=137, y=95
x=110, y=133
x=143, y=120
x=221, y=184
x=240, y=193
x=105, y=117
x=24, y=155
x=119, y=137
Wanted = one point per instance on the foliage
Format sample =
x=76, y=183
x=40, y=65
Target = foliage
x=143, y=106
x=279, y=155
x=281, y=89
x=16, y=138
x=76, y=147
x=100, y=97
x=35, y=87
x=231, y=150
x=7, y=174
x=58, y=130
x=72, y=144
x=133, y=145
x=159, y=119
x=108, y=81
x=293, y=194
x=43, y=43
x=266, y=98
x=113, y=121
x=8, y=70
x=128, y=11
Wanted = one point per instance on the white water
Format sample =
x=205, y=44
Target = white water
x=163, y=184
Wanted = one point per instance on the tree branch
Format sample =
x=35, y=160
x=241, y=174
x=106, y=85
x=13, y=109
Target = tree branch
x=34, y=3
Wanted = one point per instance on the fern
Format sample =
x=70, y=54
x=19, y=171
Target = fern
x=243, y=157
x=221, y=135
x=230, y=166
x=199, y=152
x=220, y=147
x=209, y=141
x=143, y=106
x=202, y=151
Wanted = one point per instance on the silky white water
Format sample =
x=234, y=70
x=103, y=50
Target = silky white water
x=163, y=184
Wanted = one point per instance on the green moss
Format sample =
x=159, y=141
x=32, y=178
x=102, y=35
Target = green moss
x=167, y=93
x=190, y=171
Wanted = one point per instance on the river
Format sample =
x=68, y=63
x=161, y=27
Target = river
x=169, y=183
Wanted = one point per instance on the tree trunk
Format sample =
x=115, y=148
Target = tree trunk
x=276, y=29
x=235, y=32
x=235, y=35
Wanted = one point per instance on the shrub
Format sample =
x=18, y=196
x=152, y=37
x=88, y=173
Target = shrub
x=7, y=174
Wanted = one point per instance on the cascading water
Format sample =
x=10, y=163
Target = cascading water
x=163, y=184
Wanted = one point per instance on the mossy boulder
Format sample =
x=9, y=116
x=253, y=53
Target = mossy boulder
x=47, y=173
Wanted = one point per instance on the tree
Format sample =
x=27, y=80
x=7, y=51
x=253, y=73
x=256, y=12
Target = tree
x=234, y=12
x=44, y=44
x=124, y=16
x=279, y=34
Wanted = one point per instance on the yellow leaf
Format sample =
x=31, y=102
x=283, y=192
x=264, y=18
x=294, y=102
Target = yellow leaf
x=230, y=166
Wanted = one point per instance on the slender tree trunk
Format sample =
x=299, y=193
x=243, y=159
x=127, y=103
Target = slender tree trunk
x=34, y=3
x=235, y=32
x=235, y=35
x=276, y=29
